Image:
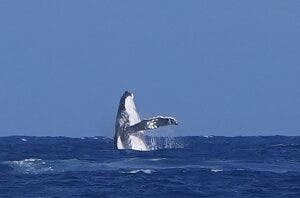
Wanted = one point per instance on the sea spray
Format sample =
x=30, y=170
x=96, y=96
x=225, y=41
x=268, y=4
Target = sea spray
x=156, y=143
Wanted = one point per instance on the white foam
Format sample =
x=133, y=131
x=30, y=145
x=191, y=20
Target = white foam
x=274, y=145
x=30, y=166
x=216, y=170
x=27, y=161
x=24, y=140
x=157, y=159
x=31, y=160
x=147, y=171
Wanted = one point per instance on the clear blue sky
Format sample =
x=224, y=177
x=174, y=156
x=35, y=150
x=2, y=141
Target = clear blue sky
x=221, y=67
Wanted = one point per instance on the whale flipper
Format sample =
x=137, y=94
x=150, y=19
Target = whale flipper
x=151, y=123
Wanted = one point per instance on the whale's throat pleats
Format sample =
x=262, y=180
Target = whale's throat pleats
x=130, y=108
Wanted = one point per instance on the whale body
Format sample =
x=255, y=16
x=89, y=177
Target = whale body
x=130, y=129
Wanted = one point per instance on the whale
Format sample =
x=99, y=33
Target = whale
x=130, y=129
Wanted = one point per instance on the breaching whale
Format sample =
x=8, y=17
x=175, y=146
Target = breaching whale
x=129, y=128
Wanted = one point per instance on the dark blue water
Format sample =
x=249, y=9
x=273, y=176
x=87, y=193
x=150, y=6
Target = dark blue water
x=182, y=167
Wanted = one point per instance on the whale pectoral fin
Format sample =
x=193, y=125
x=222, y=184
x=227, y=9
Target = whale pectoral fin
x=152, y=123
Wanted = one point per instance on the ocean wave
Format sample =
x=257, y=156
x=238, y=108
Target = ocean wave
x=157, y=159
x=216, y=170
x=146, y=171
x=40, y=166
x=60, y=154
x=206, y=166
x=30, y=165
x=286, y=145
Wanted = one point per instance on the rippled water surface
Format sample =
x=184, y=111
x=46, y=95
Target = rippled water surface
x=181, y=167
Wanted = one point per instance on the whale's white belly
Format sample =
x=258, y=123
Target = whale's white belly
x=137, y=143
x=120, y=144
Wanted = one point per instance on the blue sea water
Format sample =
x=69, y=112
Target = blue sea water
x=180, y=167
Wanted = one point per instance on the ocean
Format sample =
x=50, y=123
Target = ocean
x=209, y=166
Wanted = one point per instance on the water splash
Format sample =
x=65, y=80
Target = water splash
x=172, y=143
x=153, y=143
x=156, y=143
